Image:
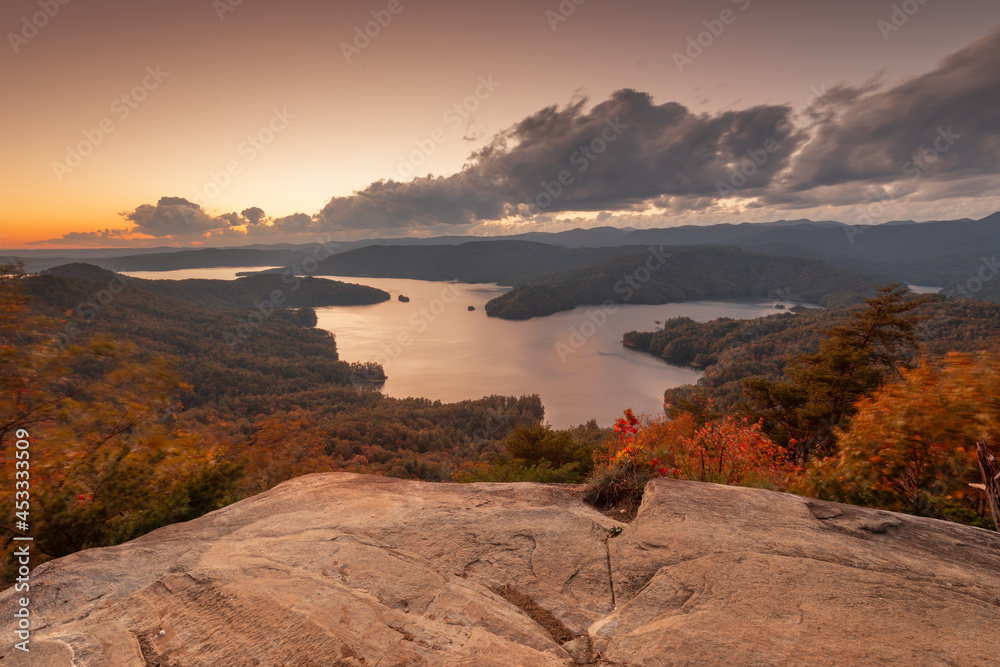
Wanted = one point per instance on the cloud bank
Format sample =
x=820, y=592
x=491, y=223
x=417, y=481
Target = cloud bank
x=927, y=138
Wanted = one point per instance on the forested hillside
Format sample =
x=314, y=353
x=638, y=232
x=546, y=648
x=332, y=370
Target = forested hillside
x=280, y=365
x=883, y=405
x=731, y=350
x=290, y=291
x=666, y=275
x=149, y=409
x=937, y=253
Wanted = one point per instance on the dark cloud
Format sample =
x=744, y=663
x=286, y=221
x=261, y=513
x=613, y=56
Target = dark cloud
x=101, y=237
x=292, y=224
x=848, y=147
x=253, y=215
x=618, y=155
x=177, y=218
x=948, y=117
x=173, y=217
x=234, y=219
x=928, y=138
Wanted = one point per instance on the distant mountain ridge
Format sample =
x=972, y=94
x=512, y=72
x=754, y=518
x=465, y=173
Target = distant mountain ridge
x=944, y=253
x=505, y=262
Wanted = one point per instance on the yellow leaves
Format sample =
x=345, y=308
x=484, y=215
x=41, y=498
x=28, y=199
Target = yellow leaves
x=911, y=445
x=105, y=463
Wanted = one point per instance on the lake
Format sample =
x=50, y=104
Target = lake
x=434, y=347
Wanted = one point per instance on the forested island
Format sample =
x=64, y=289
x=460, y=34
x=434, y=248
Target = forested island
x=667, y=275
x=284, y=290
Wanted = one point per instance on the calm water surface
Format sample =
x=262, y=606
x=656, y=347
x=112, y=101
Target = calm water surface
x=434, y=347
x=214, y=273
x=923, y=289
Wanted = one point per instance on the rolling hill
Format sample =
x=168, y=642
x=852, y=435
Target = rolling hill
x=682, y=274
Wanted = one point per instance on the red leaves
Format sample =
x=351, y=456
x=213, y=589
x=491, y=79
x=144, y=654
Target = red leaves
x=726, y=451
x=733, y=451
x=627, y=426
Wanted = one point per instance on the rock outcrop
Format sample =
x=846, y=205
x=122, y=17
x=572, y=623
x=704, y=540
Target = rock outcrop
x=342, y=569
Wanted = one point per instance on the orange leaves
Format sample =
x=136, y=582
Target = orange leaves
x=911, y=447
x=733, y=451
x=725, y=451
x=109, y=462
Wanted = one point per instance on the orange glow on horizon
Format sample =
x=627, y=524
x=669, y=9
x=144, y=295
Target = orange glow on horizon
x=117, y=104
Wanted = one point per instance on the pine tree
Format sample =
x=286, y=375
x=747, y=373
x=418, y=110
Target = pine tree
x=803, y=413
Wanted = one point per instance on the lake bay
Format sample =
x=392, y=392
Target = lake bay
x=435, y=347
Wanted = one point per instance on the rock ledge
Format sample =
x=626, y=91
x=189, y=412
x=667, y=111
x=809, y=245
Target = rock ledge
x=343, y=569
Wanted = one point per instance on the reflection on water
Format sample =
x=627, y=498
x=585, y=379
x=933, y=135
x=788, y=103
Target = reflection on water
x=215, y=273
x=436, y=348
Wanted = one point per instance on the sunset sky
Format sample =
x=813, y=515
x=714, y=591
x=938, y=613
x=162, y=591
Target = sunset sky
x=230, y=122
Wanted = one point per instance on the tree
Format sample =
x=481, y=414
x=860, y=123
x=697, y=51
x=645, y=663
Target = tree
x=536, y=443
x=991, y=478
x=109, y=460
x=306, y=317
x=729, y=451
x=912, y=445
x=536, y=453
x=804, y=412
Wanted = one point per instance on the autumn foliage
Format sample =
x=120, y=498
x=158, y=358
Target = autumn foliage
x=912, y=445
x=108, y=461
x=728, y=450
